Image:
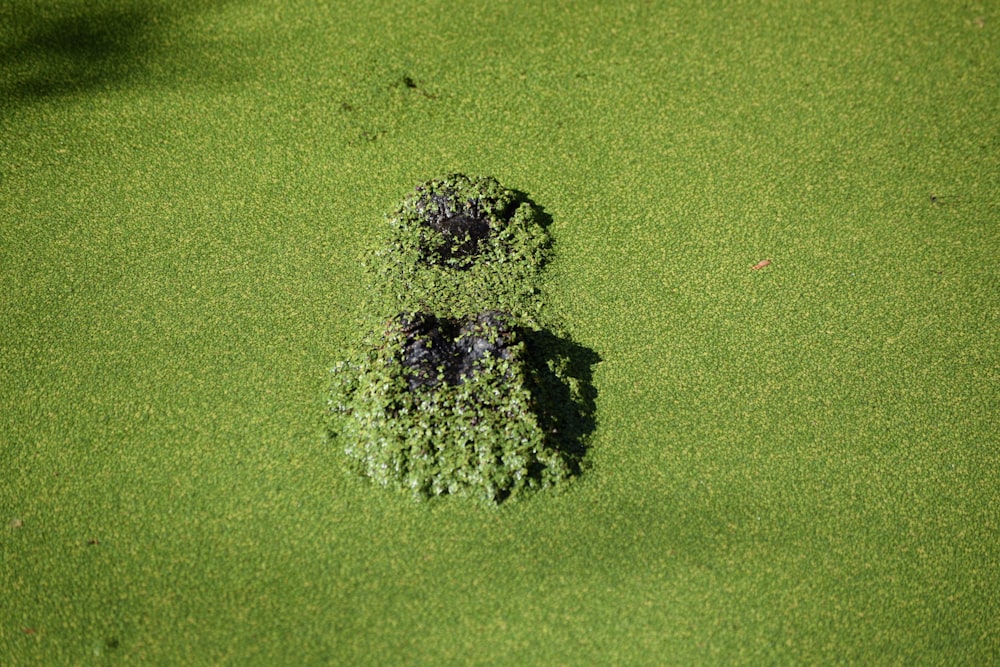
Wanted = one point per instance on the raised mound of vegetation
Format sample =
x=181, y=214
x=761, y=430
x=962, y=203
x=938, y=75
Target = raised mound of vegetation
x=460, y=387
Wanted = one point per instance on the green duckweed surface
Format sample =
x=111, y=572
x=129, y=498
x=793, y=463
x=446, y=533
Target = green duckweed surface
x=791, y=464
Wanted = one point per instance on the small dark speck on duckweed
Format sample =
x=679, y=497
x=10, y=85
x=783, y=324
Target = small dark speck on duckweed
x=461, y=387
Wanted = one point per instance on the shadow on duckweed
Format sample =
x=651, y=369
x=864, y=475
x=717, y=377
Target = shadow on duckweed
x=542, y=217
x=562, y=383
x=47, y=53
x=57, y=55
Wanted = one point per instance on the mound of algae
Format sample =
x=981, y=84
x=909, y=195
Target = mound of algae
x=460, y=388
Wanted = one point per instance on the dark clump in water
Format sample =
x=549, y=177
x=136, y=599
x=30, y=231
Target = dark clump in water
x=460, y=389
x=464, y=228
x=437, y=350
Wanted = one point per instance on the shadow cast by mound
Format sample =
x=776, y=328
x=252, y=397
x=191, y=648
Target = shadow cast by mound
x=541, y=215
x=561, y=374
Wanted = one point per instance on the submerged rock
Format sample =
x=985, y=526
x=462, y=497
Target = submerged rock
x=462, y=224
x=447, y=350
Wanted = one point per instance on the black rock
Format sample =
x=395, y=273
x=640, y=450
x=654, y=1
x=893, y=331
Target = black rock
x=439, y=350
x=489, y=334
x=427, y=349
x=463, y=224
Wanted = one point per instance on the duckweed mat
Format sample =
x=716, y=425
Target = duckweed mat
x=794, y=463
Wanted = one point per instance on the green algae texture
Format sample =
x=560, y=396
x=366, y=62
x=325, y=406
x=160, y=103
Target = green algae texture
x=480, y=436
x=496, y=264
x=793, y=465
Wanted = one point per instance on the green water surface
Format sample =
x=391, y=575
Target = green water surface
x=792, y=464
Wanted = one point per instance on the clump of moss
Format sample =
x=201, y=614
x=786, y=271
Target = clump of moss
x=461, y=245
x=444, y=407
x=459, y=388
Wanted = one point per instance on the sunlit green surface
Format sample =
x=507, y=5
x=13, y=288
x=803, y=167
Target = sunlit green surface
x=791, y=464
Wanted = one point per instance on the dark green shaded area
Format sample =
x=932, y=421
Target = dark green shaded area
x=71, y=53
x=795, y=464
